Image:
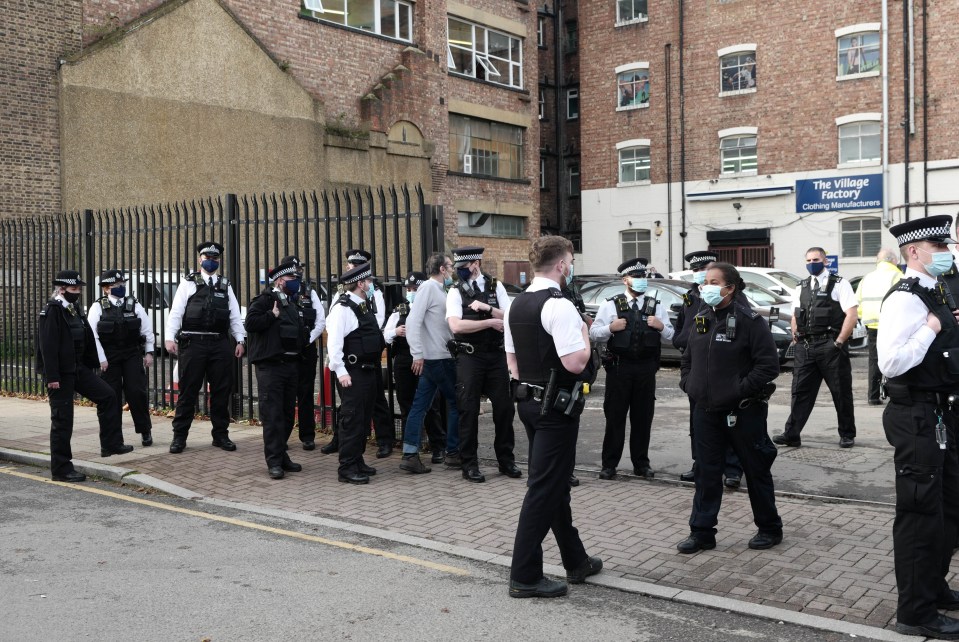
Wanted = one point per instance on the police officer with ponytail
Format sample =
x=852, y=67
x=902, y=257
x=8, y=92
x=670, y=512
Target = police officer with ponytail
x=634, y=326
x=727, y=370
x=125, y=345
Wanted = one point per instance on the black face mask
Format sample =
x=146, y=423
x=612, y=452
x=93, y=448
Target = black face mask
x=71, y=297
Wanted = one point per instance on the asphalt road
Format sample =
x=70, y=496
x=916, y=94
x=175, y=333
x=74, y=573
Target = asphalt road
x=101, y=561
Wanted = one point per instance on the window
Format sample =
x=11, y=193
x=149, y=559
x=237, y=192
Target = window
x=485, y=54
x=572, y=37
x=737, y=72
x=484, y=224
x=542, y=104
x=738, y=154
x=573, y=172
x=858, y=51
x=485, y=148
x=631, y=11
x=634, y=163
x=635, y=244
x=542, y=173
x=572, y=104
x=390, y=18
x=861, y=236
x=541, y=32
x=632, y=85
x=859, y=140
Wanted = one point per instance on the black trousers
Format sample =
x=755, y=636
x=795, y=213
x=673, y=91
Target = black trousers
x=813, y=364
x=383, y=423
x=406, y=383
x=733, y=468
x=213, y=359
x=546, y=507
x=630, y=389
x=276, y=383
x=875, y=376
x=477, y=374
x=128, y=378
x=306, y=397
x=356, y=412
x=86, y=383
x=756, y=451
x=927, y=505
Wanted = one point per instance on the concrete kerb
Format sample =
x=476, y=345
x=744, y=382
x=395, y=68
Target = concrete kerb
x=606, y=580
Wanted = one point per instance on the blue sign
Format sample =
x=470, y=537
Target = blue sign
x=832, y=263
x=842, y=193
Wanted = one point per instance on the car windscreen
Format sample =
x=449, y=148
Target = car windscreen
x=788, y=278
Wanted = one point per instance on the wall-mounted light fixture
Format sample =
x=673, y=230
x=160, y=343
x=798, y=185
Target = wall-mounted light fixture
x=659, y=228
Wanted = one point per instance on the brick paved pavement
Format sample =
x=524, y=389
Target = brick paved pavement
x=836, y=559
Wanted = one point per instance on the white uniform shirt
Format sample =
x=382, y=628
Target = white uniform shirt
x=841, y=293
x=380, y=304
x=560, y=319
x=320, y=323
x=454, y=300
x=606, y=314
x=389, y=332
x=341, y=322
x=146, y=326
x=184, y=291
x=904, y=338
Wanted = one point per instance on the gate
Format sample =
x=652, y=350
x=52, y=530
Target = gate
x=745, y=255
x=155, y=246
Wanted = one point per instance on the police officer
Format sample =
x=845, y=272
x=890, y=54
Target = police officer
x=355, y=345
x=727, y=370
x=918, y=344
x=634, y=326
x=277, y=334
x=475, y=310
x=549, y=355
x=383, y=424
x=821, y=325
x=66, y=358
x=406, y=381
x=314, y=322
x=125, y=345
x=203, y=314
x=870, y=293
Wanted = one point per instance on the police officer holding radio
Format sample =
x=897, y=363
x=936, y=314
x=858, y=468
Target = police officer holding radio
x=203, y=314
x=355, y=346
x=634, y=326
x=66, y=358
x=475, y=309
x=727, y=370
x=918, y=352
x=821, y=325
x=278, y=334
x=125, y=345
x=549, y=355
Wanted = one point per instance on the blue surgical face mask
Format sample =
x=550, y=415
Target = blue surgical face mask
x=369, y=290
x=447, y=281
x=292, y=287
x=463, y=273
x=941, y=262
x=210, y=266
x=712, y=295
x=569, y=277
x=410, y=296
x=699, y=277
x=638, y=284
x=119, y=291
x=815, y=267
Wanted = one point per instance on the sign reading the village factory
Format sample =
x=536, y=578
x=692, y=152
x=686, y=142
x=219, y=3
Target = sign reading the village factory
x=839, y=193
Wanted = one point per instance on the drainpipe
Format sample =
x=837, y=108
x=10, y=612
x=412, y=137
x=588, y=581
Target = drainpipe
x=886, y=220
x=682, y=127
x=907, y=114
x=669, y=154
x=558, y=115
x=925, y=114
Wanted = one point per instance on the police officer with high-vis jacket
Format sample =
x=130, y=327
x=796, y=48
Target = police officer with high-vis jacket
x=918, y=351
x=203, y=315
x=475, y=310
x=821, y=325
x=125, y=345
x=634, y=327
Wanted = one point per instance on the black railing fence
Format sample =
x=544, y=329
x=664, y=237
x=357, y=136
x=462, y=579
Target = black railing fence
x=155, y=247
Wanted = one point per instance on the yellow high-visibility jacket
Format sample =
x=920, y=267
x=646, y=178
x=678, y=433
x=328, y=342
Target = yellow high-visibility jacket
x=872, y=290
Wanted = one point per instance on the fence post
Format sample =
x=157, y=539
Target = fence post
x=231, y=246
x=87, y=267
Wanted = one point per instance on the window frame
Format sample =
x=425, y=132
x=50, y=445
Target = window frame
x=743, y=52
x=640, y=244
x=319, y=9
x=541, y=32
x=632, y=146
x=632, y=75
x=637, y=17
x=738, y=134
x=488, y=228
x=858, y=31
x=875, y=244
x=542, y=104
x=573, y=170
x=572, y=96
x=858, y=120
x=511, y=76
x=492, y=153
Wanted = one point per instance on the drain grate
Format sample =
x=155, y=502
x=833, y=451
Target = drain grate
x=819, y=455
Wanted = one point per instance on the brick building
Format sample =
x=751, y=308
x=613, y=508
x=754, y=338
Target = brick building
x=757, y=128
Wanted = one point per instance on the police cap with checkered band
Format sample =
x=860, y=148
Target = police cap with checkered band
x=931, y=228
x=632, y=267
x=700, y=259
x=68, y=277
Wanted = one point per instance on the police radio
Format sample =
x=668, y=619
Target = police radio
x=649, y=306
x=284, y=300
x=731, y=327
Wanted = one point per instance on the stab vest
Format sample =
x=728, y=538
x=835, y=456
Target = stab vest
x=77, y=329
x=119, y=325
x=933, y=372
x=400, y=344
x=487, y=337
x=208, y=310
x=291, y=323
x=366, y=342
x=637, y=340
x=535, y=351
x=819, y=314
x=304, y=302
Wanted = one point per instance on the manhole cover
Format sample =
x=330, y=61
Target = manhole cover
x=819, y=455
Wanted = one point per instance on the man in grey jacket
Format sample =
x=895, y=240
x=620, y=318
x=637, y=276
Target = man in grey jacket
x=427, y=333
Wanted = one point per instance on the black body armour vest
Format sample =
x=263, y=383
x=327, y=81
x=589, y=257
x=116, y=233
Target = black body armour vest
x=400, y=344
x=291, y=324
x=77, y=331
x=119, y=326
x=366, y=342
x=937, y=372
x=535, y=351
x=488, y=337
x=304, y=303
x=209, y=309
x=819, y=314
x=637, y=340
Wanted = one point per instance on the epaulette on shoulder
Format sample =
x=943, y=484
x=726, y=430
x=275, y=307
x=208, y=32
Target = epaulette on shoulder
x=402, y=308
x=835, y=277
x=344, y=299
x=492, y=283
x=192, y=276
x=748, y=311
x=556, y=293
x=616, y=296
x=687, y=299
x=906, y=284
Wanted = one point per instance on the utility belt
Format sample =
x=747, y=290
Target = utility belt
x=457, y=348
x=761, y=398
x=360, y=363
x=567, y=401
x=903, y=394
x=185, y=338
x=816, y=338
x=611, y=359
